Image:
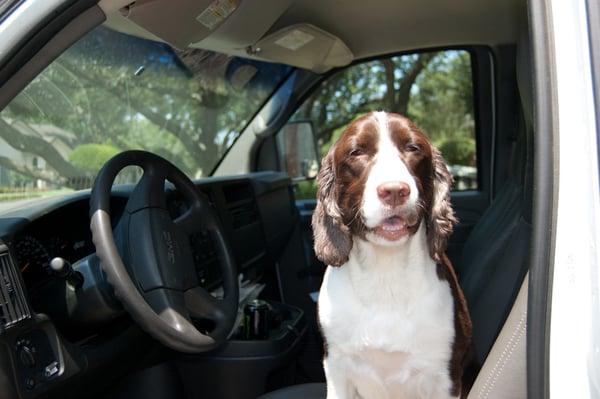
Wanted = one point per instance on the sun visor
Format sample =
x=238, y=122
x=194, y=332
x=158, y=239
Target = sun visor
x=183, y=23
x=304, y=46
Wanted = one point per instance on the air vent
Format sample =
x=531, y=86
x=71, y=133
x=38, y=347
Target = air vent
x=243, y=214
x=13, y=307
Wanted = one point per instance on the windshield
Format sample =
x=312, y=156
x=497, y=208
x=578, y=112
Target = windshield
x=112, y=92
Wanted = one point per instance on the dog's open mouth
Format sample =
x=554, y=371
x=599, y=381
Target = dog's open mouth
x=392, y=228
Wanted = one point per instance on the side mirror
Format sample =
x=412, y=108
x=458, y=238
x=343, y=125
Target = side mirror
x=297, y=150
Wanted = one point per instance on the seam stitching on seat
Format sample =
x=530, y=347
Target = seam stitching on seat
x=503, y=359
x=509, y=355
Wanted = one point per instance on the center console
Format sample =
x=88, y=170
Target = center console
x=258, y=215
x=239, y=369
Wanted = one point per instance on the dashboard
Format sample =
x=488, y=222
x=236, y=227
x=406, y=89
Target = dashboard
x=257, y=213
x=64, y=232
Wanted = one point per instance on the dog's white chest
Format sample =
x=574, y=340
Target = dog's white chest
x=389, y=333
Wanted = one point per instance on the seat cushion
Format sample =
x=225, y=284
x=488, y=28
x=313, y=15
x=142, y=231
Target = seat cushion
x=302, y=391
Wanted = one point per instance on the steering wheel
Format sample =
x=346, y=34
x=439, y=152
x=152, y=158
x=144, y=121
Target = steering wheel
x=149, y=262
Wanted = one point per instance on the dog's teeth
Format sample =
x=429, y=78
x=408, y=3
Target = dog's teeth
x=393, y=228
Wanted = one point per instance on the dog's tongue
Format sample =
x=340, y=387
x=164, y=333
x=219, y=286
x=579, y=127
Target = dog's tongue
x=393, y=223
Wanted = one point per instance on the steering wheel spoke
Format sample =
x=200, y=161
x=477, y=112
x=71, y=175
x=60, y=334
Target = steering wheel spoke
x=189, y=221
x=201, y=304
x=149, y=191
x=169, y=305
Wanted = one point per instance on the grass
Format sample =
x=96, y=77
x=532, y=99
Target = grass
x=31, y=194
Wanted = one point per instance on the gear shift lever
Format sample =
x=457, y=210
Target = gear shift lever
x=62, y=268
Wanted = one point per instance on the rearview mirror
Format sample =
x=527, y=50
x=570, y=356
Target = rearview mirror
x=297, y=150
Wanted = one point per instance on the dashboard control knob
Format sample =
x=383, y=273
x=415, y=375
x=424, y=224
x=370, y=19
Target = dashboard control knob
x=26, y=356
x=62, y=268
x=30, y=383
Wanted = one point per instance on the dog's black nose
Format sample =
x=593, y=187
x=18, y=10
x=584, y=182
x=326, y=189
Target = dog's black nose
x=393, y=193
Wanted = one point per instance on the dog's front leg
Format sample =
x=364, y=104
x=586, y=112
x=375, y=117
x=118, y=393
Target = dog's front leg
x=339, y=385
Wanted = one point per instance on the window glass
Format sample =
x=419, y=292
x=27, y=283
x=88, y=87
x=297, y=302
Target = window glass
x=111, y=92
x=434, y=89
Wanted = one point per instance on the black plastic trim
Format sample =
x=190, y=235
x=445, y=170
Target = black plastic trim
x=484, y=112
x=544, y=198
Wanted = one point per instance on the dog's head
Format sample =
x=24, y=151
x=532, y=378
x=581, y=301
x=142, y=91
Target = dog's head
x=379, y=181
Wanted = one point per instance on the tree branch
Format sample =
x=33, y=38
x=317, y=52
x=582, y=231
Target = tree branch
x=189, y=143
x=407, y=81
x=24, y=170
x=325, y=133
x=38, y=146
x=390, y=94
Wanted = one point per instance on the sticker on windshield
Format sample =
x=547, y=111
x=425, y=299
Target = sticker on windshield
x=294, y=40
x=216, y=13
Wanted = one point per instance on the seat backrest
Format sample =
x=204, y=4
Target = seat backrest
x=496, y=255
x=504, y=373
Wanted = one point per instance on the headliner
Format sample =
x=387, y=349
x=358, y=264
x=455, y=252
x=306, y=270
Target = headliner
x=368, y=28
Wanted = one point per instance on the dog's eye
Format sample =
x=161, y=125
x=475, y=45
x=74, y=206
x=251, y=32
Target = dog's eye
x=412, y=148
x=356, y=152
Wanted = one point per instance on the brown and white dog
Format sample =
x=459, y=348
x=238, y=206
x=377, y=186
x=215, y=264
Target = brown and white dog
x=394, y=319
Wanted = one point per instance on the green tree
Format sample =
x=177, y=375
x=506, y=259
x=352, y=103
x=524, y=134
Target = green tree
x=442, y=105
x=91, y=157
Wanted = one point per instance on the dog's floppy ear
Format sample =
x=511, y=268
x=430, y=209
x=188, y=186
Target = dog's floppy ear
x=441, y=216
x=333, y=241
